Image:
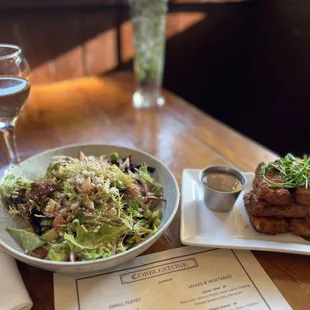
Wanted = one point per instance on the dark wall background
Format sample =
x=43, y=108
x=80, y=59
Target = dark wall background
x=248, y=65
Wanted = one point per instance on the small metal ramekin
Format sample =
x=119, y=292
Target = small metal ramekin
x=221, y=201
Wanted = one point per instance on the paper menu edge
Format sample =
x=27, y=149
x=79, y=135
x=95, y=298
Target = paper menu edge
x=261, y=280
x=254, y=271
x=151, y=258
x=65, y=283
x=68, y=281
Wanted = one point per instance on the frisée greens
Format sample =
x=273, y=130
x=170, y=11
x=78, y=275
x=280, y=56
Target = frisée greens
x=85, y=208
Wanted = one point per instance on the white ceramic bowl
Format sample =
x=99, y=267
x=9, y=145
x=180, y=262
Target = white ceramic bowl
x=35, y=167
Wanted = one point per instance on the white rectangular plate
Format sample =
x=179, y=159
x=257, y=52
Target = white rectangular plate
x=203, y=227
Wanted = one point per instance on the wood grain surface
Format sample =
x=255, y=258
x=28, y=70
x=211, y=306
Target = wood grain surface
x=64, y=44
x=94, y=109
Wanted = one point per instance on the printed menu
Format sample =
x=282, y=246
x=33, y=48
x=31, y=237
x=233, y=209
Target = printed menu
x=183, y=278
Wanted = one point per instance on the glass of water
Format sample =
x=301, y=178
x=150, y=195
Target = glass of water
x=14, y=91
x=149, y=24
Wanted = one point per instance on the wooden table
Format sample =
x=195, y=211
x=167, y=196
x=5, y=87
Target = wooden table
x=99, y=110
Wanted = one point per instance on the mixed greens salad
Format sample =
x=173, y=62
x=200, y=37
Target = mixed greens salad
x=85, y=208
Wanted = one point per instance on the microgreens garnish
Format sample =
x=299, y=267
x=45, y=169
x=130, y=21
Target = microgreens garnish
x=293, y=170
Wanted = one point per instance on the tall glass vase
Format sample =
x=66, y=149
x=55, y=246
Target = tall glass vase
x=149, y=24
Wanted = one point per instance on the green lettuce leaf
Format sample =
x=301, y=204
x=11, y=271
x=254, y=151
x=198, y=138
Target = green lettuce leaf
x=59, y=252
x=76, y=244
x=95, y=244
x=155, y=186
x=88, y=239
x=29, y=241
x=94, y=254
x=120, y=247
x=111, y=233
x=69, y=191
x=142, y=229
x=63, y=169
x=142, y=226
x=133, y=209
x=10, y=184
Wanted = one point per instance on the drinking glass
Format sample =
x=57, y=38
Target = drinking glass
x=14, y=91
x=149, y=23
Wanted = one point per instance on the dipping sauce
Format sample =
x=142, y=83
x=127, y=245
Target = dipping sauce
x=222, y=182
